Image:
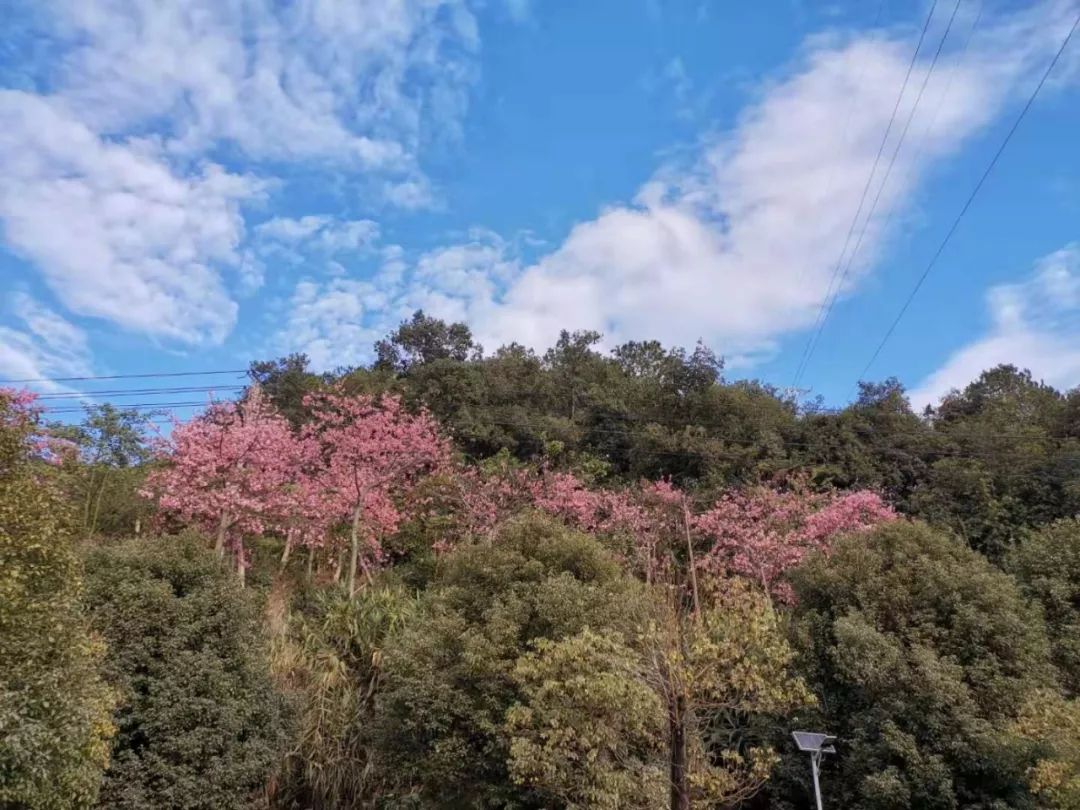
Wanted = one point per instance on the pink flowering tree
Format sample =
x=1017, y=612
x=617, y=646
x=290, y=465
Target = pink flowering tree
x=305, y=512
x=230, y=471
x=371, y=454
x=762, y=533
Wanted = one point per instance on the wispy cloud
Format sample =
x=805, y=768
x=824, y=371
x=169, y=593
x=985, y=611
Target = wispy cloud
x=1034, y=324
x=45, y=344
x=113, y=147
x=346, y=82
x=115, y=232
x=737, y=244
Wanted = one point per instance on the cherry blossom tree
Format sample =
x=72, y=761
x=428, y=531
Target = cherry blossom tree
x=762, y=533
x=371, y=453
x=230, y=470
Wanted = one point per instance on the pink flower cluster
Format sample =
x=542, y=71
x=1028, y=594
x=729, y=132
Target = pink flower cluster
x=240, y=469
x=762, y=533
x=756, y=533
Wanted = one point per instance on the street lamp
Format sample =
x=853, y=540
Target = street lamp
x=815, y=745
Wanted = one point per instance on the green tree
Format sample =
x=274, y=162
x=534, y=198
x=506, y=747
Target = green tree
x=922, y=654
x=1053, y=724
x=201, y=726
x=876, y=443
x=449, y=676
x=1047, y=565
x=589, y=728
x=54, y=707
x=1005, y=460
x=112, y=454
x=424, y=339
x=286, y=381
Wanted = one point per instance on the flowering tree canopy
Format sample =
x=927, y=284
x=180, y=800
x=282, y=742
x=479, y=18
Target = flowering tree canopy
x=369, y=453
x=232, y=470
x=762, y=533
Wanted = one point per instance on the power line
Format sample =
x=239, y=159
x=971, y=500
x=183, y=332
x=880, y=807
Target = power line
x=970, y=199
x=127, y=392
x=862, y=199
x=65, y=408
x=124, y=376
x=643, y=421
x=936, y=114
x=881, y=187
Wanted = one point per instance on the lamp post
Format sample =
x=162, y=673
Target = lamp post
x=816, y=745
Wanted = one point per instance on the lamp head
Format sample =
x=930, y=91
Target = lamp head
x=813, y=742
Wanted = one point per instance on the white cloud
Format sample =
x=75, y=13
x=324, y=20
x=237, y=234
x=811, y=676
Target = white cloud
x=117, y=234
x=326, y=321
x=1035, y=324
x=46, y=345
x=105, y=178
x=737, y=244
x=347, y=82
x=321, y=233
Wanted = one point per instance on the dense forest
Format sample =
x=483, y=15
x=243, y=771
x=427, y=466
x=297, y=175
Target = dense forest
x=577, y=579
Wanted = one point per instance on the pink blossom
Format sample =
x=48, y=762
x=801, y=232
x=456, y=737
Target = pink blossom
x=369, y=453
x=763, y=533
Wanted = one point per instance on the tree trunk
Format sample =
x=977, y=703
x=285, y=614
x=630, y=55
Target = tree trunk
x=89, y=500
x=354, y=548
x=223, y=525
x=97, y=507
x=288, y=548
x=241, y=569
x=310, y=561
x=691, y=562
x=680, y=786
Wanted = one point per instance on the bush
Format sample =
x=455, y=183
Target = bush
x=201, y=726
x=449, y=676
x=922, y=654
x=1047, y=564
x=54, y=707
x=330, y=655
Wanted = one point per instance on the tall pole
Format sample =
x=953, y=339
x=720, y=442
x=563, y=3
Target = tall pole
x=814, y=757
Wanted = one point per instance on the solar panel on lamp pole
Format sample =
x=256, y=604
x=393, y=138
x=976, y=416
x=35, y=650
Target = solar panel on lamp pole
x=816, y=745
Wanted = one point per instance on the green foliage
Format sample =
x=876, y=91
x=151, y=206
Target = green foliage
x=422, y=340
x=286, y=381
x=1047, y=565
x=332, y=660
x=54, y=707
x=113, y=456
x=201, y=726
x=717, y=670
x=589, y=729
x=1053, y=723
x=449, y=675
x=922, y=654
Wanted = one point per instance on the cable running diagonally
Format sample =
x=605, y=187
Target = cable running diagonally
x=971, y=198
x=881, y=187
x=866, y=189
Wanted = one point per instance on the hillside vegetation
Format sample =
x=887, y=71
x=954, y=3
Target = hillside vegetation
x=578, y=579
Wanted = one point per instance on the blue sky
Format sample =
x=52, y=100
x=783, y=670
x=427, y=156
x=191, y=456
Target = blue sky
x=190, y=185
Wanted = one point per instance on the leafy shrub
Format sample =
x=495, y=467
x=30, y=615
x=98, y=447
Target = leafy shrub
x=54, y=707
x=1047, y=564
x=922, y=653
x=201, y=726
x=330, y=655
x=449, y=676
